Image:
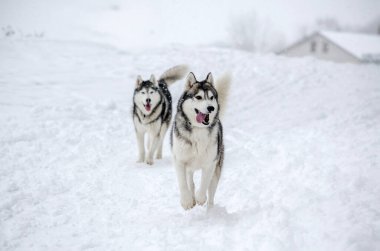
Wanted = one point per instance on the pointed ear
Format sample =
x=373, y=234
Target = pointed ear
x=152, y=79
x=210, y=79
x=138, y=81
x=190, y=81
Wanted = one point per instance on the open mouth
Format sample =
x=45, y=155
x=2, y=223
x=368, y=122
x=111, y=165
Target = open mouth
x=202, y=118
x=147, y=107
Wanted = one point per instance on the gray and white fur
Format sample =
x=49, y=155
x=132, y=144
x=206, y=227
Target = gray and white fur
x=152, y=111
x=197, y=138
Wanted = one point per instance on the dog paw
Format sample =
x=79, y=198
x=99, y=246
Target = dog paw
x=159, y=156
x=210, y=204
x=140, y=160
x=149, y=161
x=187, y=201
x=200, y=198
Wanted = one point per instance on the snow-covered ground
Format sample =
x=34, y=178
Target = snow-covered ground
x=302, y=138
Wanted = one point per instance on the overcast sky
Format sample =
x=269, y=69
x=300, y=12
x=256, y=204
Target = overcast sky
x=146, y=23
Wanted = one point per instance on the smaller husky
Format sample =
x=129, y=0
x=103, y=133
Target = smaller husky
x=152, y=111
x=197, y=138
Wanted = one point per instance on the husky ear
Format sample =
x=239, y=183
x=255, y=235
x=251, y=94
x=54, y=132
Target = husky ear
x=190, y=81
x=138, y=81
x=152, y=79
x=209, y=78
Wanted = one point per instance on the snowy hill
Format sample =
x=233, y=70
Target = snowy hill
x=302, y=161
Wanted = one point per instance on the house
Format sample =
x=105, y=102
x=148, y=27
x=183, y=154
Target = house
x=338, y=47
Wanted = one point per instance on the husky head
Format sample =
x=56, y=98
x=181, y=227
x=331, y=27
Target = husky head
x=146, y=96
x=200, y=101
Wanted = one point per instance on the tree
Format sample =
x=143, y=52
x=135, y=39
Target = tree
x=373, y=26
x=249, y=32
x=328, y=23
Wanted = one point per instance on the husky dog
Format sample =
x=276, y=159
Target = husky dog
x=152, y=111
x=197, y=138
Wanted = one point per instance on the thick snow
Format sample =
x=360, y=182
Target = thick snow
x=361, y=46
x=302, y=142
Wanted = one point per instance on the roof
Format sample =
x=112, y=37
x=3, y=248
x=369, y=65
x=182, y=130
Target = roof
x=360, y=45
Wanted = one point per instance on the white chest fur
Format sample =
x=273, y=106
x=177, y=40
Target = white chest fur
x=149, y=127
x=202, y=150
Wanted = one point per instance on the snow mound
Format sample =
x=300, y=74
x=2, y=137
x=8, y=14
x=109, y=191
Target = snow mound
x=302, y=153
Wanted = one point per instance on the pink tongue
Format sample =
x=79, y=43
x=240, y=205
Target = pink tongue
x=200, y=117
x=147, y=107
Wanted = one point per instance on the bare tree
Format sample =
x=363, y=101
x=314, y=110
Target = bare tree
x=372, y=27
x=332, y=24
x=249, y=32
x=328, y=23
x=321, y=24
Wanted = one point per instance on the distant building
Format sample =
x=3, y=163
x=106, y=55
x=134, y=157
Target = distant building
x=338, y=47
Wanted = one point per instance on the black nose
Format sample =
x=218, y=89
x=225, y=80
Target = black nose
x=148, y=100
x=210, y=108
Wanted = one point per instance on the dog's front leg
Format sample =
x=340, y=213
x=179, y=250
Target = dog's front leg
x=207, y=174
x=190, y=181
x=187, y=200
x=154, y=140
x=140, y=143
x=163, y=131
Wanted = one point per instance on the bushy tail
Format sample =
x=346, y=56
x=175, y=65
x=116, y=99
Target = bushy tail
x=173, y=74
x=222, y=86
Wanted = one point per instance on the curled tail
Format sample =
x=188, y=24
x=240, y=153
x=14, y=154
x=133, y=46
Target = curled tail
x=222, y=86
x=173, y=74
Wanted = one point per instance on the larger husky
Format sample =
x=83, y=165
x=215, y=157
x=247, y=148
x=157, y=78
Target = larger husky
x=197, y=138
x=152, y=111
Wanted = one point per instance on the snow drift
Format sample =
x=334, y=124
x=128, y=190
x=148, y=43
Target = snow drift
x=302, y=153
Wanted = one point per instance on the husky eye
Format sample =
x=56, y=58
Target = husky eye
x=198, y=97
x=212, y=98
x=151, y=92
x=142, y=92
